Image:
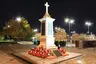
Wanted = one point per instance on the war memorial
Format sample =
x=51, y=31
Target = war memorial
x=46, y=52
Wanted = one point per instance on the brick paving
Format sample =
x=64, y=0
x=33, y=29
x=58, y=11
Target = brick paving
x=89, y=55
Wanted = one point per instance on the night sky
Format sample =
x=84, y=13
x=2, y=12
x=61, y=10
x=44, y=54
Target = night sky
x=33, y=10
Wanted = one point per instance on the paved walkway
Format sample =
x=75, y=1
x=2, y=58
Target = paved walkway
x=89, y=55
x=9, y=59
x=7, y=49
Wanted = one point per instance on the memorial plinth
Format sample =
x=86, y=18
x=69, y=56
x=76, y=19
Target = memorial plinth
x=47, y=42
x=37, y=60
x=47, y=34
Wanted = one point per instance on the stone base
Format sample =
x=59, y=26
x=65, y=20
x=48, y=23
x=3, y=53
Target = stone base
x=37, y=60
x=47, y=42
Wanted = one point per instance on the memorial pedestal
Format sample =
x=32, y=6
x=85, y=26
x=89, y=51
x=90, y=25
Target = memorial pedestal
x=47, y=42
x=37, y=60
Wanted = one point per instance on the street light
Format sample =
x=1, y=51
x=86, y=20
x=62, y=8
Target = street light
x=69, y=21
x=87, y=23
x=35, y=30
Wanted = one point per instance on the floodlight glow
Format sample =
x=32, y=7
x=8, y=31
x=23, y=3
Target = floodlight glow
x=66, y=20
x=35, y=30
x=8, y=26
x=71, y=21
x=88, y=23
x=18, y=19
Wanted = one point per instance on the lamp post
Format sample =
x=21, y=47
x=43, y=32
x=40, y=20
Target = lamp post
x=69, y=21
x=87, y=23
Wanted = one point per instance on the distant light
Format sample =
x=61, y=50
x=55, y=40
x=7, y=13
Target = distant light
x=57, y=28
x=35, y=30
x=8, y=26
x=18, y=19
x=88, y=23
x=72, y=21
x=73, y=31
x=66, y=20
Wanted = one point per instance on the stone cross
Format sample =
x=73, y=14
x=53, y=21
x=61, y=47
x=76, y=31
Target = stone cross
x=46, y=7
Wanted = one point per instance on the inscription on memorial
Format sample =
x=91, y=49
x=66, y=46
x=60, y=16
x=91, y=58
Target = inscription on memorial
x=57, y=53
